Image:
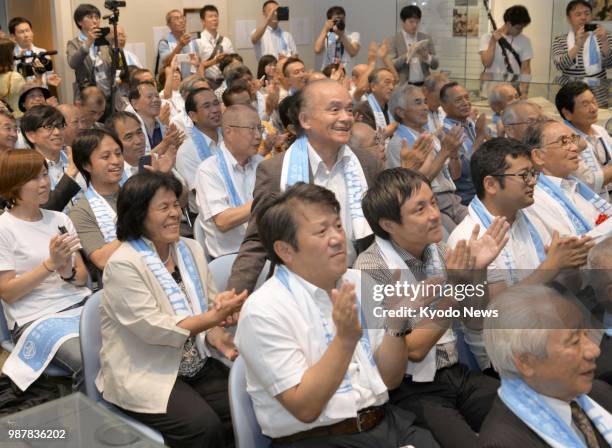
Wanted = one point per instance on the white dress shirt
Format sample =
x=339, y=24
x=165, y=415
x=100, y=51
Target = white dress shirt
x=213, y=198
x=274, y=339
x=334, y=180
x=207, y=44
x=552, y=216
x=272, y=43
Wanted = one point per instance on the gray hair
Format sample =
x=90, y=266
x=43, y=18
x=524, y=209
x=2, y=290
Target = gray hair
x=399, y=98
x=235, y=71
x=187, y=84
x=434, y=80
x=533, y=136
x=526, y=315
x=495, y=93
x=509, y=114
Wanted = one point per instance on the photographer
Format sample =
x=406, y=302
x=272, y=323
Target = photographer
x=338, y=44
x=90, y=60
x=11, y=82
x=178, y=42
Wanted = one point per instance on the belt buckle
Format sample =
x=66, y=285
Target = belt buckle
x=359, y=415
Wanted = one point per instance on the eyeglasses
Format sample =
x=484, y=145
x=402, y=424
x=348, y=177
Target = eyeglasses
x=529, y=122
x=259, y=128
x=565, y=141
x=51, y=126
x=527, y=176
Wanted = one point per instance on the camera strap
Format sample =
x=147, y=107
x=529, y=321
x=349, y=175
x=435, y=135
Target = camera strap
x=338, y=48
x=217, y=49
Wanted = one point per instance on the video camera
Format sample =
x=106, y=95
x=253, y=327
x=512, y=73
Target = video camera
x=26, y=65
x=114, y=4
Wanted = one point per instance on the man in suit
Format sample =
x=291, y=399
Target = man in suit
x=600, y=276
x=546, y=361
x=412, y=57
x=324, y=125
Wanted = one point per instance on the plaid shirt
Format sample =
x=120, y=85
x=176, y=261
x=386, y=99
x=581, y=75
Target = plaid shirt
x=372, y=262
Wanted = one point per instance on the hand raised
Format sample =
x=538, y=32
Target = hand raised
x=490, y=244
x=345, y=314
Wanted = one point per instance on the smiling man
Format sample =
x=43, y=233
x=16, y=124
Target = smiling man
x=562, y=202
x=224, y=182
x=546, y=359
x=320, y=155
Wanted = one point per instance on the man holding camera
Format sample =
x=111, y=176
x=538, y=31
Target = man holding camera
x=339, y=45
x=178, y=42
x=269, y=38
x=88, y=56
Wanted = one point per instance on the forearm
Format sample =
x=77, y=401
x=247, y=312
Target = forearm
x=81, y=276
x=13, y=289
x=488, y=55
x=233, y=217
x=259, y=32
x=391, y=359
x=319, y=383
x=422, y=339
x=436, y=165
x=349, y=46
x=99, y=257
x=199, y=323
x=318, y=45
x=454, y=167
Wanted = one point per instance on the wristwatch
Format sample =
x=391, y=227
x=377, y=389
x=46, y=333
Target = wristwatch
x=397, y=333
x=72, y=276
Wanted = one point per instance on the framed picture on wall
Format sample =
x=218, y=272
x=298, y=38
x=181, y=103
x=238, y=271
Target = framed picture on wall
x=602, y=10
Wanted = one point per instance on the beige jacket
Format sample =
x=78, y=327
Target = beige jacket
x=142, y=345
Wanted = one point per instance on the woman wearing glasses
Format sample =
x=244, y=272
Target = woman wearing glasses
x=43, y=128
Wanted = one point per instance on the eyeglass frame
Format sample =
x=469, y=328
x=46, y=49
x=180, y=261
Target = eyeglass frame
x=50, y=127
x=575, y=139
x=533, y=174
x=260, y=128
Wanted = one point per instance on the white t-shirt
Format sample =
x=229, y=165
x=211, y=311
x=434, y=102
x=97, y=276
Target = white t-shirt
x=274, y=339
x=329, y=50
x=207, y=44
x=520, y=43
x=275, y=42
x=552, y=215
x=213, y=198
x=24, y=245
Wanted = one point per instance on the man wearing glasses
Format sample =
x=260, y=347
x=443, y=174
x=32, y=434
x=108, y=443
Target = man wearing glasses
x=224, y=182
x=505, y=180
x=563, y=203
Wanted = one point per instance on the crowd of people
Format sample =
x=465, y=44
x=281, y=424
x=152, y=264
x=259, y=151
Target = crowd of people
x=349, y=181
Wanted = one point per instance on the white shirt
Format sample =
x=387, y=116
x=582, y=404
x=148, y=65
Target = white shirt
x=213, y=198
x=24, y=245
x=207, y=44
x=272, y=43
x=334, y=180
x=599, y=149
x=329, y=51
x=520, y=43
x=415, y=69
x=131, y=58
x=273, y=338
x=435, y=120
x=188, y=160
x=552, y=216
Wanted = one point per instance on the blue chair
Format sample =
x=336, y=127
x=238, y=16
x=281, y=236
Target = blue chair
x=247, y=433
x=221, y=268
x=6, y=342
x=91, y=343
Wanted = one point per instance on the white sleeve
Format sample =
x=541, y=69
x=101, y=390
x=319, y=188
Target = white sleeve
x=187, y=161
x=211, y=194
x=7, y=249
x=526, y=50
x=484, y=42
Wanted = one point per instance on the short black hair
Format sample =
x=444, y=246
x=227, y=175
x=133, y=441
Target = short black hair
x=288, y=62
x=236, y=89
x=335, y=11
x=572, y=5
x=566, y=96
x=373, y=77
x=84, y=10
x=445, y=88
x=207, y=8
x=517, y=15
x=275, y=216
x=111, y=121
x=39, y=116
x=135, y=89
x=265, y=60
x=190, y=104
x=228, y=58
x=16, y=21
x=237, y=73
x=491, y=159
x=86, y=142
x=410, y=12
x=288, y=111
x=267, y=2
x=134, y=199
x=385, y=197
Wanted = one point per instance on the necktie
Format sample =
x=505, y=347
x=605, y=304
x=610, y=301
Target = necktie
x=583, y=423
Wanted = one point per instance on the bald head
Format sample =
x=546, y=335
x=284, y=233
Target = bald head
x=358, y=70
x=501, y=95
x=75, y=121
x=241, y=131
x=236, y=113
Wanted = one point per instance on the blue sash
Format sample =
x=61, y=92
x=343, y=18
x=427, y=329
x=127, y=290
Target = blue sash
x=278, y=39
x=485, y=219
x=335, y=49
x=379, y=115
x=201, y=144
x=180, y=303
x=469, y=131
x=581, y=225
x=282, y=274
x=105, y=215
x=235, y=198
x=532, y=409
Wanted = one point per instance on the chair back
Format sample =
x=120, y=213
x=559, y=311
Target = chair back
x=91, y=343
x=221, y=268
